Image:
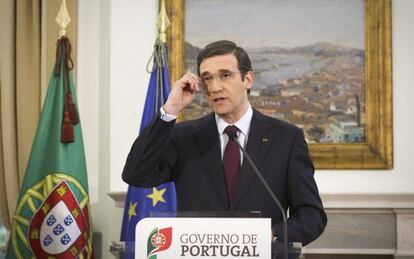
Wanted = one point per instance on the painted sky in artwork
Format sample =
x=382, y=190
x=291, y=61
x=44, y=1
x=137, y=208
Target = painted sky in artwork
x=283, y=23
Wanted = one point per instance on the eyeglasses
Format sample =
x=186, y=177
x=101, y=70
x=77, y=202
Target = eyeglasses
x=222, y=77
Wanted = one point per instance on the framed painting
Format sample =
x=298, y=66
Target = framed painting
x=323, y=65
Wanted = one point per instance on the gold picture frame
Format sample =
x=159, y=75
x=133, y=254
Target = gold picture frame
x=377, y=151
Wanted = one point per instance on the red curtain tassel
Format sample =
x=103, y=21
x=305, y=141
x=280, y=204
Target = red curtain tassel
x=68, y=134
x=72, y=110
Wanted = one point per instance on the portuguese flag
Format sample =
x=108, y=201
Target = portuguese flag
x=52, y=218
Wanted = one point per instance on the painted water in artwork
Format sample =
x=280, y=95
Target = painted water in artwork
x=308, y=57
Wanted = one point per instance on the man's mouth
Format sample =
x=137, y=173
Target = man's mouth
x=219, y=99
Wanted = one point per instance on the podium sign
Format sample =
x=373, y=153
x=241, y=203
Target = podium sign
x=201, y=238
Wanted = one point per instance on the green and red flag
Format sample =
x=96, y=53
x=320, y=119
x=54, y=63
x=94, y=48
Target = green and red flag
x=52, y=218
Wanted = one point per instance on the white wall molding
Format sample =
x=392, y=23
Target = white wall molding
x=368, y=201
x=348, y=251
x=337, y=201
x=405, y=234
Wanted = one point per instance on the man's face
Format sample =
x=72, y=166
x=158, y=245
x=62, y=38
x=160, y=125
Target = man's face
x=226, y=92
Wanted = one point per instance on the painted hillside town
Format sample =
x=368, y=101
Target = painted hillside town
x=318, y=87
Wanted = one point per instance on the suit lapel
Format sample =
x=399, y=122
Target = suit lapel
x=209, y=145
x=258, y=143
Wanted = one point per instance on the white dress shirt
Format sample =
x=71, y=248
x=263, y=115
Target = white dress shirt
x=243, y=125
x=244, y=128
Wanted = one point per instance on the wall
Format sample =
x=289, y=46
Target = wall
x=115, y=40
x=114, y=44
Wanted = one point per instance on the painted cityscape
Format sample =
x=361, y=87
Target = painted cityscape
x=316, y=85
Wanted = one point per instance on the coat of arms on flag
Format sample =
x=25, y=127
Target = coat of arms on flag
x=59, y=210
x=59, y=226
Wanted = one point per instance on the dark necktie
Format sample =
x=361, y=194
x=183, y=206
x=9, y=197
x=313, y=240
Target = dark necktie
x=231, y=162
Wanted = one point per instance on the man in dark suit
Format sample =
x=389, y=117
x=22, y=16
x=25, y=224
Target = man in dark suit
x=208, y=169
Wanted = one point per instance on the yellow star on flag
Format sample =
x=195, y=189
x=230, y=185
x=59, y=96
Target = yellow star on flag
x=157, y=196
x=132, y=210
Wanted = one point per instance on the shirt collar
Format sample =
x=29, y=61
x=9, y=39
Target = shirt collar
x=243, y=124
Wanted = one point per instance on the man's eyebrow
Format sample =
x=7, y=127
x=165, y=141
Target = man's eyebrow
x=205, y=73
x=224, y=70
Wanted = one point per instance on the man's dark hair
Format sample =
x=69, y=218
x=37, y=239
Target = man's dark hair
x=223, y=47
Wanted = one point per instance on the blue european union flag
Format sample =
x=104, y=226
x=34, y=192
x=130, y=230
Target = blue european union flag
x=140, y=202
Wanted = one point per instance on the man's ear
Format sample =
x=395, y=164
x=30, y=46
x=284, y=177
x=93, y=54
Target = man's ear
x=248, y=79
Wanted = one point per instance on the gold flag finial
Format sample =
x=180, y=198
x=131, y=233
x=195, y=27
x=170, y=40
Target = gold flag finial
x=63, y=18
x=163, y=23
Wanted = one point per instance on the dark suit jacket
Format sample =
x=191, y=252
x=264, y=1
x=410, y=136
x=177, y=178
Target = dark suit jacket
x=189, y=154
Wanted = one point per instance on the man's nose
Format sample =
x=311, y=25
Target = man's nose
x=216, y=85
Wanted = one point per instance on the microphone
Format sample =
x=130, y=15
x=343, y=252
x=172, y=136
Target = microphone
x=268, y=189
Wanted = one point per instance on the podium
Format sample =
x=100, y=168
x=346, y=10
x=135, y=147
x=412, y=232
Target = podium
x=120, y=249
x=204, y=237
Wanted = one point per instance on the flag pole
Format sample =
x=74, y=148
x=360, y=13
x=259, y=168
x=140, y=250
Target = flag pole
x=64, y=63
x=63, y=19
x=144, y=202
x=163, y=23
